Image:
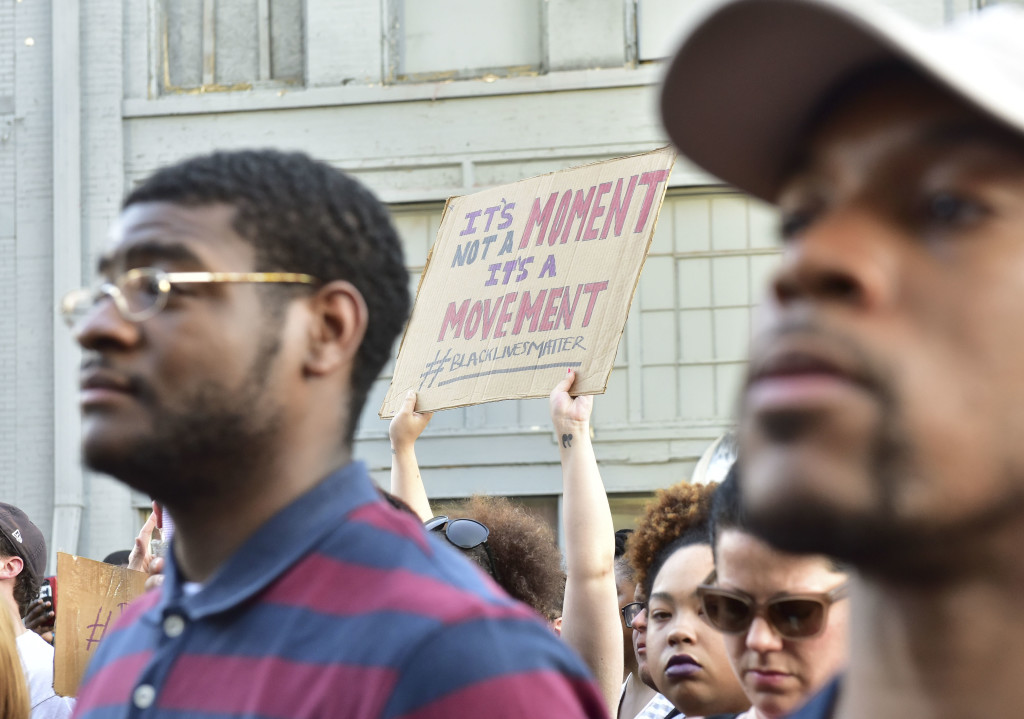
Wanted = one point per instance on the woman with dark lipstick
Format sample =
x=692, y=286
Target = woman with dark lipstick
x=671, y=551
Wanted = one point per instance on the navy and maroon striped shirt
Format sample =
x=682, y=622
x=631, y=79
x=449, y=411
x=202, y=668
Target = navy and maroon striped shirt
x=339, y=606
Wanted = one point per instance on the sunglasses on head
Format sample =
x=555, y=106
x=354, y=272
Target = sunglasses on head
x=465, y=534
x=791, y=616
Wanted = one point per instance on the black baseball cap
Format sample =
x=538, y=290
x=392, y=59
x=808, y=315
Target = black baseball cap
x=25, y=537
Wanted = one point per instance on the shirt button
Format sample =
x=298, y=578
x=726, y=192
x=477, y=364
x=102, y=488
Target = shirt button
x=174, y=625
x=143, y=696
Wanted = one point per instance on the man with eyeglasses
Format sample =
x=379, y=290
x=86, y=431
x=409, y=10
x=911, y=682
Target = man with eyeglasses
x=248, y=302
x=880, y=421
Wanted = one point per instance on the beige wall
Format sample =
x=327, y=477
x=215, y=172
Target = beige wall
x=363, y=84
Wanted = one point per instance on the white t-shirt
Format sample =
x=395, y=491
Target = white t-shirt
x=37, y=661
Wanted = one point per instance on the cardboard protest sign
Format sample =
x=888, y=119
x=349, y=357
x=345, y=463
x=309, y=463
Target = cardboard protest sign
x=528, y=279
x=92, y=596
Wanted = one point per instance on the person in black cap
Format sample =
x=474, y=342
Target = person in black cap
x=880, y=421
x=24, y=551
x=22, y=565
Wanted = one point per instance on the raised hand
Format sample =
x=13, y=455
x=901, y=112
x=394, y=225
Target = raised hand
x=569, y=415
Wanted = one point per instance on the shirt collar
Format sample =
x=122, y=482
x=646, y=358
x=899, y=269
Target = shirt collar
x=275, y=547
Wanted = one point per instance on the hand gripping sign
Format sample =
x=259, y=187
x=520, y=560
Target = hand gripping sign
x=528, y=279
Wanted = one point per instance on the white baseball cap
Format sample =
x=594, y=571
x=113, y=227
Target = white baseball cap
x=749, y=73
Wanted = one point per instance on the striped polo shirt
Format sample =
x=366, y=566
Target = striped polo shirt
x=338, y=606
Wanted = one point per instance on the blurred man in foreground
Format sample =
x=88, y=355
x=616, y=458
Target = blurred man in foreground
x=882, y=417
x=249, y=301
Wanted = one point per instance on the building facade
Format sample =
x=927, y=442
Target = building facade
x=420, y=100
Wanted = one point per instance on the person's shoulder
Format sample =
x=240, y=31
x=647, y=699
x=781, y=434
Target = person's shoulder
x=37, y=659
x=823, y=704
x=468, y=649
x=390, y=548
x=500, y=668
x=130, y=635
x=659, y=707
x=389, y=566
x=378, y=518
x=29, y=641
x=34, y=650
x=54, y=707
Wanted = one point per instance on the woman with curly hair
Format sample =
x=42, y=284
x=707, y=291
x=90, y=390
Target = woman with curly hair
x=518, y=550
x=671, y=552
x=527, y=563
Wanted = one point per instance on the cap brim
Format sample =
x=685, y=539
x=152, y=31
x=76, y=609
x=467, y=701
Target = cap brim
x=749, y=73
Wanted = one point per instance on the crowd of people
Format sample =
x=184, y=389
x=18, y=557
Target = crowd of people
x=666, y=616
x=859, y=559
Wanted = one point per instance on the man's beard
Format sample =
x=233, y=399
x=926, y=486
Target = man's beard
x=205, y=452
x=808, y=524
x=808, y=521
x=879, y=541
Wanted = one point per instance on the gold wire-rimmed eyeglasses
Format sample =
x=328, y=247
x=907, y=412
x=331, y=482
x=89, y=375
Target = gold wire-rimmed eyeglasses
x=142, y=292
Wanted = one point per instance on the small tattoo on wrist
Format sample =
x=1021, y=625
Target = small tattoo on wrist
x=567, y=440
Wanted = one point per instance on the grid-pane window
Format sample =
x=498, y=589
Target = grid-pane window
x=707, y=267
x=230, y=44
x=657, y=26
x=465, y=38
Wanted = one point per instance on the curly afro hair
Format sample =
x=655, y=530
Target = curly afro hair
x=525, y=551
x=302, y=215
x=679, y=516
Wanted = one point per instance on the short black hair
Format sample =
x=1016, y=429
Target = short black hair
x=118, y=558
x=727, y=513
x=623, y=569
x=26, y=585
x=302, y=215
x=621, y=537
